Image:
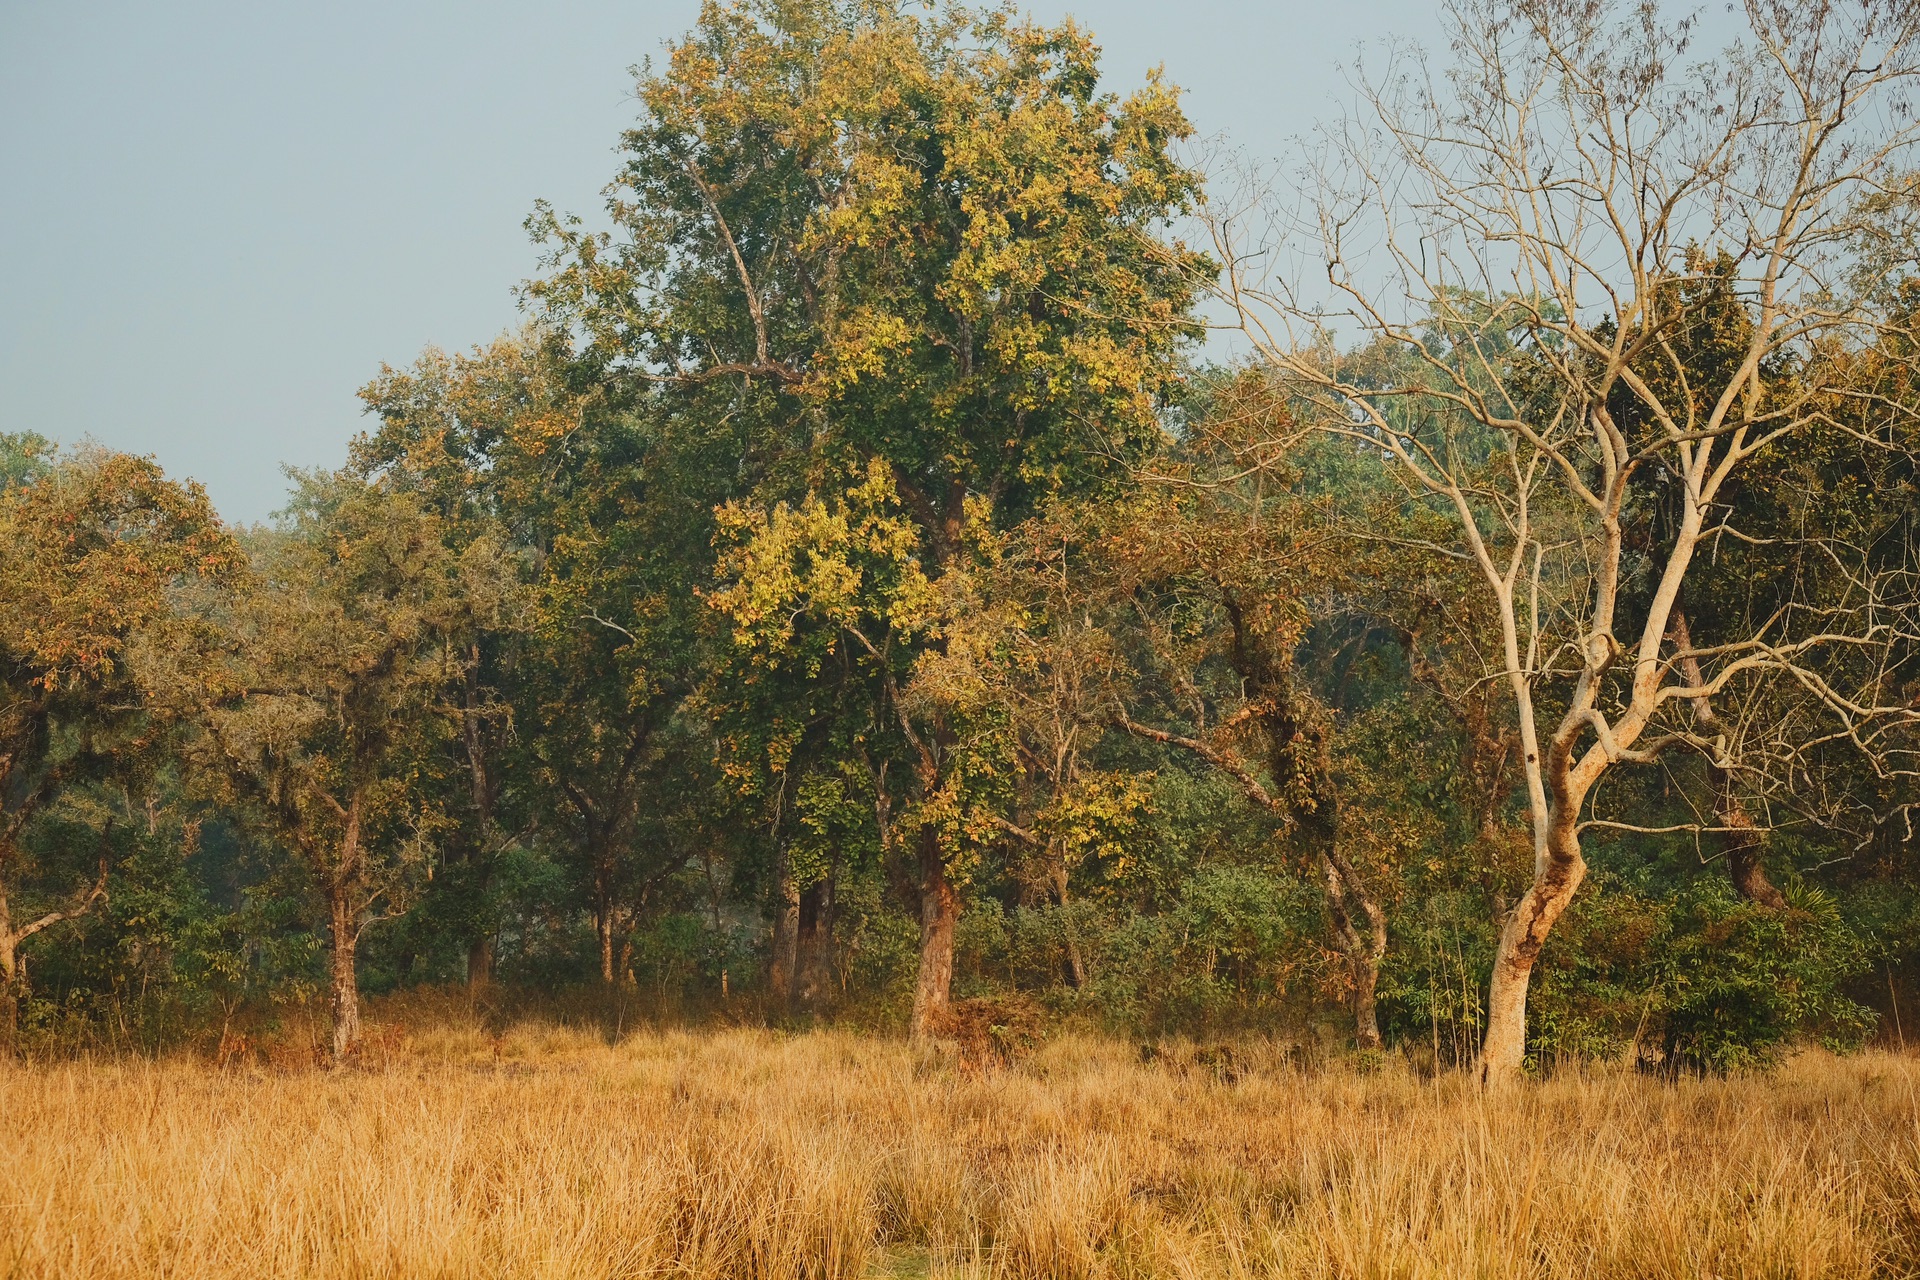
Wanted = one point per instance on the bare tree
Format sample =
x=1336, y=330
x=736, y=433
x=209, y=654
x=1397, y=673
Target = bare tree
x=1518, y=235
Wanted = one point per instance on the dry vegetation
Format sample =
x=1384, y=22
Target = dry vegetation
x=546, y=1151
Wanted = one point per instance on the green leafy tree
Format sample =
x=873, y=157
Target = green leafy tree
x=99, y=554
x=341, y=665
x=860, y=235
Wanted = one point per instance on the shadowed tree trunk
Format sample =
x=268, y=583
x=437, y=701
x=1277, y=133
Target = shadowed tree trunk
x=815, y=944
x=786, y=929
x=939, y=912
x=1363, y=954
x=480, y=961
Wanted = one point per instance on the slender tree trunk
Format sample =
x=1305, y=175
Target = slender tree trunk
x=480, y=838
x=1559, y=871
x=1076, y=964
x=343, y=918
x=10, y=976
x=603, y=911
x=939, y=912
x=786, y=930
x=1363, y=954
x=603, y=926
x=1366, y=1020
x=346, y=985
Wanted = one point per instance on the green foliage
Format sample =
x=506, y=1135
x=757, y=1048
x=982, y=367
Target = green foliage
x=1699, y=979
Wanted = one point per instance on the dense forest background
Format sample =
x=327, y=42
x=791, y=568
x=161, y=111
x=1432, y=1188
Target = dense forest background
x=856, y=593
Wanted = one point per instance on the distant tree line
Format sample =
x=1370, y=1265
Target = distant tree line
x=855, y=591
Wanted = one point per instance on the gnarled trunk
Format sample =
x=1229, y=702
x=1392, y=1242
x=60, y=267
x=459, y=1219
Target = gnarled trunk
x=939, y=912
x=343, y=918
x=1075, y=965
x=1745, y=865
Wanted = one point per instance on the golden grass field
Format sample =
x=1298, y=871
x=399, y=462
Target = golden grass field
x=743, y=1153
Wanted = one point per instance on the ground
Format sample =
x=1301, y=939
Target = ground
x=549, y=1152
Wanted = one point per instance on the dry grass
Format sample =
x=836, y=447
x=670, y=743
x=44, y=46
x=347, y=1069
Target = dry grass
x=546, y=1152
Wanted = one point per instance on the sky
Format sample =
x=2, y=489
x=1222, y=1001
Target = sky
x=218, y=218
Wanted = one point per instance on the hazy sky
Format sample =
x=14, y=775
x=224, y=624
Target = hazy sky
x=217, y=218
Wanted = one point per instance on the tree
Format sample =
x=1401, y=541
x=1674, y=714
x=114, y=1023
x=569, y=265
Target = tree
x=1560, y=175
x=472, y=439
x=340, y=664
x=1220, y=573
x=99, y=554
x=855, y=235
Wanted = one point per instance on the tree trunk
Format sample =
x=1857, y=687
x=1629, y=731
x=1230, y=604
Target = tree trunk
x=1075, y=963
x=786, y=931
x=1745, y=866
x=939, y=911
x=1559, y=870
x=1363, y=954
x=346, y=985
x=9, y=975
x=343, y=918
x=603, y=927
x=480, y=962
x=479, y=839
x=1366, y=1021
x=816, y=942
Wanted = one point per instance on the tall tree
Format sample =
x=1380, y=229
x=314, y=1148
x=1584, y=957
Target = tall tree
x=341, y=662
x=1559, y=174
x=857, y=234
x=99, y=554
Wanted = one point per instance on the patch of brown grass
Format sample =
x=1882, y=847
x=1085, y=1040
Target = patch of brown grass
x=541, y=1151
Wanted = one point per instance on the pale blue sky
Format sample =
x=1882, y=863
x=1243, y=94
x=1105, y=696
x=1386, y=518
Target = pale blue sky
x=217, y=218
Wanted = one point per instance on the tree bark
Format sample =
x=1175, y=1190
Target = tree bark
x=1075, y=964
x=786, y=930
x=816, y=942
x=346, y=984
x=344, y=920
x=1745, y=865
x=939, y=912
x=9, y=972
x=603, y=927
x=480, y=961
x=1363, y=954
x=480, y=847
x=1561, y=869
